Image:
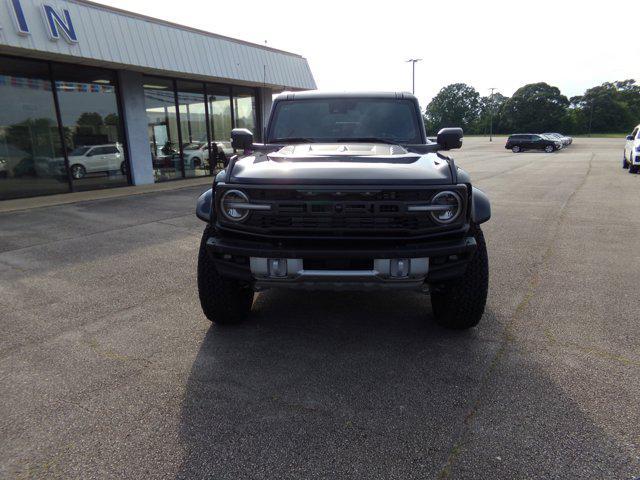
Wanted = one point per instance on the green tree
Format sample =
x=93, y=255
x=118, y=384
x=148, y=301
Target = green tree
x=37, y=136
x=629, y=92
x=490, y=113
x=112, y=119
x=456, y=105
x=90, y=119
x=608, y=108
x=536, y=107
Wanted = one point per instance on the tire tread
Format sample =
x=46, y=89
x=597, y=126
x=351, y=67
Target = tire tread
x=460, y=303
x=224, y=301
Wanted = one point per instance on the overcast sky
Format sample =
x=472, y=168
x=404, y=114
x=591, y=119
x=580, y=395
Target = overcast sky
x=364, y=45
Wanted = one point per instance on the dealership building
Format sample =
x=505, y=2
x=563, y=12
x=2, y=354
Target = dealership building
x=96, y=97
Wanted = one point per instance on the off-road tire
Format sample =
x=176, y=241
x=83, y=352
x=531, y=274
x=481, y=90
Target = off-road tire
x=459, y=304
x=224, y=301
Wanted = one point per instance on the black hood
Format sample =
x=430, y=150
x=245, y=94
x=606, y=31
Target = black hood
x=342, y=163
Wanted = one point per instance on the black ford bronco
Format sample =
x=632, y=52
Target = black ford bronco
x=346, y=192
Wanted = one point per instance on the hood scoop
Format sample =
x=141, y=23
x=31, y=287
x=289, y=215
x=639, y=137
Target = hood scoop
x=336, y=152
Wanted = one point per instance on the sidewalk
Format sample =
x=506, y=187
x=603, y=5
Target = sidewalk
x=64, y=198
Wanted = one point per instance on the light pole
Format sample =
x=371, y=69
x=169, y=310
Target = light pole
x=491, y=114
x=413, y=73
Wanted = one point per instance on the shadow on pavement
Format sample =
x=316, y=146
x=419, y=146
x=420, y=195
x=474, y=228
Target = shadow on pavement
x=335, y=385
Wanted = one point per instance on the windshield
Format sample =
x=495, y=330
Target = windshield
x=346, y=119
x=76, y=152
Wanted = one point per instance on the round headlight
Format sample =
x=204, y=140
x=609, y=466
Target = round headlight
x=231, y=205
x=450, y=204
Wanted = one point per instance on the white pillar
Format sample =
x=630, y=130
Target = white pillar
x=135, y=126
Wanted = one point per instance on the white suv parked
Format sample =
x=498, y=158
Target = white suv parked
x=97, y=158
x=631, y=157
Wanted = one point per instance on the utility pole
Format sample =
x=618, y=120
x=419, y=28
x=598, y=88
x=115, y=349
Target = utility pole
x=491, y=114
x=413, y=73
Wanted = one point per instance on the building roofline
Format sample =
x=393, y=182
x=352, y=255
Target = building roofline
x=11, y=52
x=147, y=18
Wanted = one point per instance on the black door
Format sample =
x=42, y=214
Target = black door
x=536, y=142
x=519, y=141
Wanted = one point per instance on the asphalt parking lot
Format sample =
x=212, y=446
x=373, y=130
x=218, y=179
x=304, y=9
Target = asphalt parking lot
x=108, y=369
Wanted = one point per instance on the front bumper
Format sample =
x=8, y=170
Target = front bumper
x=244, y=260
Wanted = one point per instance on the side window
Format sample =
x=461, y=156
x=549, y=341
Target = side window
x=535, y=138
x=109, y=150
x=92, y=152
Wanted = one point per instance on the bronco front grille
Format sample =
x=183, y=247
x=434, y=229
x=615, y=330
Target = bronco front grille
x=349, y=212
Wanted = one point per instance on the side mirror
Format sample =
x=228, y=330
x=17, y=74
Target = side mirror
x=450, y=138
x=241, y=139
x=630, y=137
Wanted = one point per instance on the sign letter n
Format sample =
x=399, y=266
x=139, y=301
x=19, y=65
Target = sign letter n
x=57, y=23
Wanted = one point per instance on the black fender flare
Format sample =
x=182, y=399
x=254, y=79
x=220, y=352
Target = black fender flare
x=481, y=206
x=203, y=206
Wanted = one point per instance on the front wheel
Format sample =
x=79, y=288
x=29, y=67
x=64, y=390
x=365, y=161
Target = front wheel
x=634, y=168
x=224, y=301
x=78, y=171
x=459, y=303
x=549, y=149
x=516, y=149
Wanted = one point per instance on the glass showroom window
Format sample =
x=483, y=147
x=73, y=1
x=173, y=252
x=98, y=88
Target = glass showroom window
x=160, y=103
x=220, y=121
x=193, y=128
x=245, y=110
x=92, y=128
x=31, y=160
